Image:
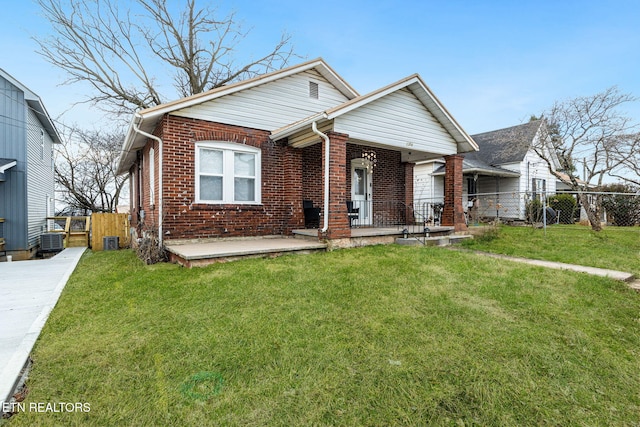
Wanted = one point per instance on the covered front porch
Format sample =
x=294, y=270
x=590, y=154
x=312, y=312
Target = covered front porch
x=358, y=158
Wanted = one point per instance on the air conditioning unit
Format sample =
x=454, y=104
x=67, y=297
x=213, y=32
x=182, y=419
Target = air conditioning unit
x=110, y=243
x=51, y=242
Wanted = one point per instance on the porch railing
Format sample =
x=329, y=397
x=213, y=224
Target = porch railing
x=394, y=213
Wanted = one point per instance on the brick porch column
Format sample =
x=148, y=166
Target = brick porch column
x=408, y=192
x=453, y=213
x=337, y=211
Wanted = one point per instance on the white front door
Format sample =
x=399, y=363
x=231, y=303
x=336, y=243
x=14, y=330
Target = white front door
x=361, y=190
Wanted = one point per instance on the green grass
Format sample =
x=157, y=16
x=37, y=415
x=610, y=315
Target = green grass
x=382, y=335
x=616, y=248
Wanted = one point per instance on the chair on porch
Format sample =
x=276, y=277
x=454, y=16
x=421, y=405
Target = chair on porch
x=352, y=213
x=311, y=214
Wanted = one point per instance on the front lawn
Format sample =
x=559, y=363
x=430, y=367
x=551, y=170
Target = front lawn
x=615, y=248
x=382, y=335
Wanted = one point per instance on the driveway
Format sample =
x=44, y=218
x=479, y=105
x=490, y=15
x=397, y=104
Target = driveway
x=28, y=292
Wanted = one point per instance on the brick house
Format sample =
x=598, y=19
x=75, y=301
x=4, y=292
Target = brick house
x=239, y=160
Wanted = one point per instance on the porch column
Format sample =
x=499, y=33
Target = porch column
x=408, y=192
x=337, y=209
x=453, y=213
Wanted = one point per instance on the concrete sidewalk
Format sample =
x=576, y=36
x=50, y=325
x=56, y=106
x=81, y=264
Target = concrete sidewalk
x=602, y=272
x=29, y=290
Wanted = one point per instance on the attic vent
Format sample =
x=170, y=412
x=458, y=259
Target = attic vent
x=313, y=90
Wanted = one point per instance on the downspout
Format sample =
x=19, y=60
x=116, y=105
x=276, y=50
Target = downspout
x=325, y=222
x=155, y=138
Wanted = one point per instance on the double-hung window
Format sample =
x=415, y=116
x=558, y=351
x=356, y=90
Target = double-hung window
x=227, y=173
x=539, y=187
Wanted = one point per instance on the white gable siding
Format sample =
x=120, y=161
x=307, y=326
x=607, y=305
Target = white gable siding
x=271, y=105
x=399, y=120
x=427, y=187
x=533, y=166
x=40, y=179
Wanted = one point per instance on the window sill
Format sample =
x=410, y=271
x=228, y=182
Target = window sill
x=225, y=207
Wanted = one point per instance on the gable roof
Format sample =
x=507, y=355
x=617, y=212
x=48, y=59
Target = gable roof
x=416, y=86
x=146, y=120
x=35, y=104
x=318, y=64
x=508, y=145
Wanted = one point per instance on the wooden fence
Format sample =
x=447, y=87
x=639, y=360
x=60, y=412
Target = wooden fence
x=109, y=224
x=76, y=229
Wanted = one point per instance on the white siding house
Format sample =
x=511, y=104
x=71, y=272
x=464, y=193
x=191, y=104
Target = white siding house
x=506, y=169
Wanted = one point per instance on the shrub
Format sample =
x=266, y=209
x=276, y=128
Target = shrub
x=534, y=211
x=149, y=250
x=566, y=204
x=623, y=206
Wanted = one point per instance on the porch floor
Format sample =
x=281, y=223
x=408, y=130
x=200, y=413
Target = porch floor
x=211, y=251
x=357, y=232
x=203, y=252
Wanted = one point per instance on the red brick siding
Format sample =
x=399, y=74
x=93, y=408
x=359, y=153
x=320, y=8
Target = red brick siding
x=150, y=211
x=288, y=176
x=390, y=178
x=338, y=220
x=453, y=213
x=312, y=181
x=281, y=208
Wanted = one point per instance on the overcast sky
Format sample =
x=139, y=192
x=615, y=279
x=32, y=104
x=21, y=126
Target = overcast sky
x=491, y=63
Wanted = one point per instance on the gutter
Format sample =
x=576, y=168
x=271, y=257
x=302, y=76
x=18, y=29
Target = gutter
x=325, y=221
x=155, y=138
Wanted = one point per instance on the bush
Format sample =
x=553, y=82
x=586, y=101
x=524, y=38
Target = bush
x=567, y=205
x=623, y=207
x=534, y=211
x=149, y=249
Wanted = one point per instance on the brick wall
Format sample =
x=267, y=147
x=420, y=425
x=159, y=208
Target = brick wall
x=338, y=220
x=312, y=182
x=288, y=176
x=453, y=213
x=281, y=208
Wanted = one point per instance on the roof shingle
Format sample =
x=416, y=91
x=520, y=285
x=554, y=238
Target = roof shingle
x=508, y=145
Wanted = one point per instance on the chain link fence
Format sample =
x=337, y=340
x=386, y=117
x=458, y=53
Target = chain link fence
x=617, y=209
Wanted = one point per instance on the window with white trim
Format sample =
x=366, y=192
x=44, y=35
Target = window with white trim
x=227, y=173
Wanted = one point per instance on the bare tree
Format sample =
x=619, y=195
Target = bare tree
x=85, y=169
x=125, y=54
x=630, y=172
x=590, y=128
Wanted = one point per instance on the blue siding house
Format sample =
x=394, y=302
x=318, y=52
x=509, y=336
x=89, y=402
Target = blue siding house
x=27, y=183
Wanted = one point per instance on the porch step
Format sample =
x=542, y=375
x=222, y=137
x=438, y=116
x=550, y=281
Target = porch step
x=433, y=241
x=310, y=235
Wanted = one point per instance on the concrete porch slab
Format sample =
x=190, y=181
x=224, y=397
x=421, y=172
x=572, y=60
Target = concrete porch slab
x=206, y=252
x=382, y=231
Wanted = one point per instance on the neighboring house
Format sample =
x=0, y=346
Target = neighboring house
x=27, y=135
x=504, y=174
x=239, y=160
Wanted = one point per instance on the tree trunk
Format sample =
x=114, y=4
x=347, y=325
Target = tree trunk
x=593, y=212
